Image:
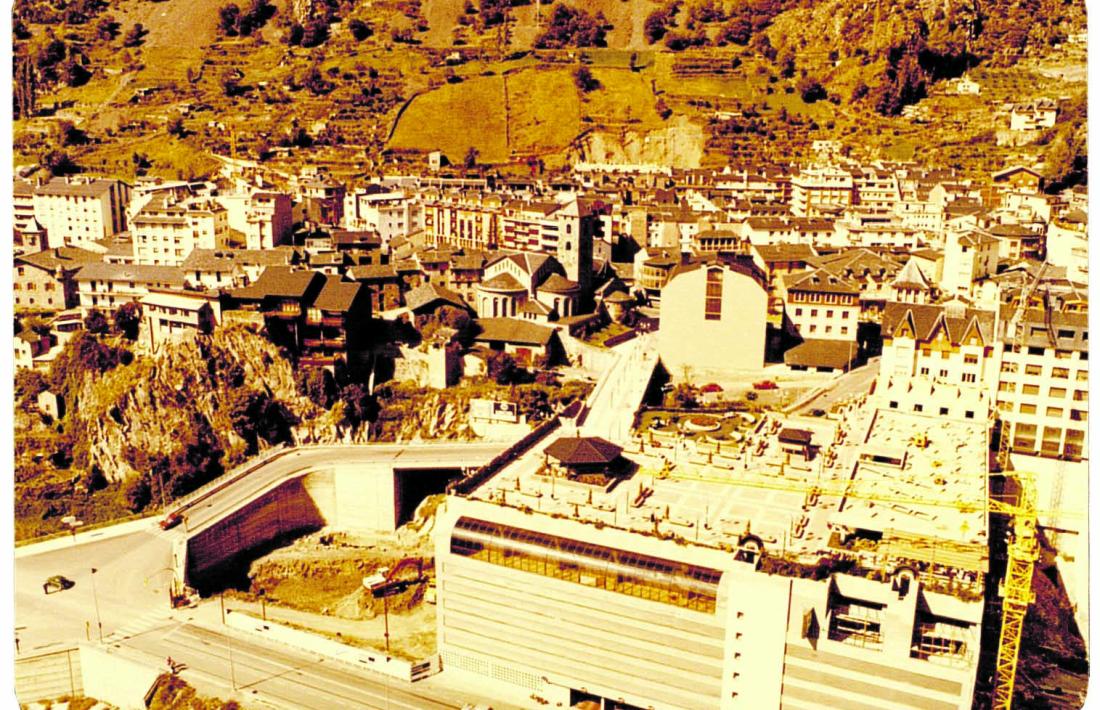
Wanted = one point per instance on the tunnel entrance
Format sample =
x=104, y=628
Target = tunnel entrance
x=412, y=486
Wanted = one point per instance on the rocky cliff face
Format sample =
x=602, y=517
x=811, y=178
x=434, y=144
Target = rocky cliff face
x=679, y=144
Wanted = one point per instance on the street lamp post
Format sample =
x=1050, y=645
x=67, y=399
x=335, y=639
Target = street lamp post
x=263, y=603
x=95, y=598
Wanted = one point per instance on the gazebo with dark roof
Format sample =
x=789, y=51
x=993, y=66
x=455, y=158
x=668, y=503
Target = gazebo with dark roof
x=583, y=455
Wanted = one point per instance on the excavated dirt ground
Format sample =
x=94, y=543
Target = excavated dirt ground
x=316, y=584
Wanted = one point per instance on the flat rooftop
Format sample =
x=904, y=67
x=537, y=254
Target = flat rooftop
x=714, y=493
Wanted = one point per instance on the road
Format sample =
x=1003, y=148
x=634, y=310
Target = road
x=242, y=667
x=223, y=500
x=849, y=385
x=128, y=594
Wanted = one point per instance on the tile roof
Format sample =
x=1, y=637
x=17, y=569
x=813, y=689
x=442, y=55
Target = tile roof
x=503, y=282
x=62, y=257
x=924, y=319
x=141, y=273
x=513, y=330
x=426, y=294
x=372, y=272
x=280, y=282
x=784, y=252
x=822, y=353
x=557, y=283
x=60, y=187
x=337, y=295
x=822, y=281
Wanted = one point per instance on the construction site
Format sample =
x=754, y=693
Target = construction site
x=896, y=548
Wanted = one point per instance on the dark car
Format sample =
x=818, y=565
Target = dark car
x=57, y=583
x=817, y=413
x=765, y=385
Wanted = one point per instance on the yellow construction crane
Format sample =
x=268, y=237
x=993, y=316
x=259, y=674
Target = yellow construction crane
x=1023, y=551
x=1016, y=588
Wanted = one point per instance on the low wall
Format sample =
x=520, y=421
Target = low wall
x=358, y=657
x=48, y=676
x=116, y=680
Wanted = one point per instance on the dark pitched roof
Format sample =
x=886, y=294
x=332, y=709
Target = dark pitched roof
x=503, y=282
x=141, y=273
x=372, y=272
x=337, y=295
x=513, y=330
x=557, y=283
x=62, y=257
x=583, y=450
x=784, y=252
x=923, y=319
x=429, y=293
x=822, y=353
x=796, y=436
x=821, y=281
x=280, y=282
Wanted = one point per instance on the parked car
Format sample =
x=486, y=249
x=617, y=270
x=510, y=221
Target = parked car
x=765, y=385
x=817, y=413
x=57, y=583
x=711, y=388
x=170, y=521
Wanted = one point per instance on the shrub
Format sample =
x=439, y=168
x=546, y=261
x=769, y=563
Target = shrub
x=584, y=80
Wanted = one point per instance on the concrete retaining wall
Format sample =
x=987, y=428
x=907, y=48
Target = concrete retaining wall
x=358, y=657
x=48, y=675
x=282, y=511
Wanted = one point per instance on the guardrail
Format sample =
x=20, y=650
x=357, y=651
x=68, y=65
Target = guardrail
x=471, y=482
x=245, y=468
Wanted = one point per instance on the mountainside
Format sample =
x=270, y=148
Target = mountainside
x=158, y=87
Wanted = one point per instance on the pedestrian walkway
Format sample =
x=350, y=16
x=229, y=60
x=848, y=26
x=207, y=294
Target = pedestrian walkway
x=143, y=623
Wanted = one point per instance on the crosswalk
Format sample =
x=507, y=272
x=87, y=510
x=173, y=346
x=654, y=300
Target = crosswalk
x=139, y=625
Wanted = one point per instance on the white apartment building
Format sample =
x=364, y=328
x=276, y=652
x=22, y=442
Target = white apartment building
x=967, y=257
x=108, y=286
x=1043, y=390
x=822, y=305
x=165, y=230
x=938, y=360
x=1033, y=116
x=263, y=218
x=821, y=187
x=77, y=212
x=1067, y=245
x=876, y=190
x=389, y=213
x=174, y=315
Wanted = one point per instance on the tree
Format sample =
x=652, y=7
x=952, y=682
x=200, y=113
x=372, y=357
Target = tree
x=502, y=368
x=75, y=74
x=139, y=493
x=359, y=30
x=229, y=19
x=736, y=31
x=584, y=80
x=257, y=415
x=175, y=127
x=811, y=90
x=314, y=33
x=95, y=322
x=135, y=37
x=359, y=405
x=294, y=34
x=572, y=27
x=471, y=158
x=68, y=134
x=318, y=385
x=662, y=109
x=107, y=28
x=128, y=320
x=656, y=25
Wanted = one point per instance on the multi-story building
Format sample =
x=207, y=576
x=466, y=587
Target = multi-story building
x=467, y=220
x=389, y=213
x=822, y=305
x=940, y=360
x=1043, y=389
x=828, y=187
x=165, y=230
x=1033, y=116
x=108, y=286
x=47, y=279
x=713, y=320
x=77, y=212
x=172, y=315
x=337, y=323
x=968, y=257
x=1067, y=244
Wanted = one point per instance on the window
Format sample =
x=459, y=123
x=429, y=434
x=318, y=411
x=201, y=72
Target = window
x=798, y=311
x=970, y=359
x=1031, y=389
x=1034, y=370
x=1055, y=412
x=1081, y=396
x=918, y=407
x=969, y=377
x=969, y=414
x=813, y=328
x=924, y=371
x=1060, y=373
x=844, y=330
x=943, y=411
x=1057, y=392
x=813, y=313
x=828, y=329
x=1027, y=409
x=943, y=374
x=829, y=313
x=1035, y=350
x=713, y=306
x=1062, y=354
x=1009, y=367
x=1007, y=387
x=893, y=405
x=1082, y=375
x=845, y=314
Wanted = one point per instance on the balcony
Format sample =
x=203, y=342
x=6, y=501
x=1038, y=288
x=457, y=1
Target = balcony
x=285, y=312
x=316, y=360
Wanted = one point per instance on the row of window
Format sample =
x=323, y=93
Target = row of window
x=944, y=411
x=1077, y=415
x=828, y=329
x=620, y=571
x=1053, y=392
x=828, y=314
x=48, y=286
